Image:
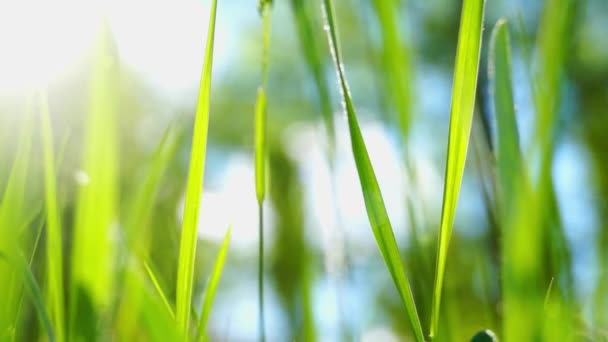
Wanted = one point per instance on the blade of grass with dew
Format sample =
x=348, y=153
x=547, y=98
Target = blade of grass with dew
x=461, y=114
x=92, y=260
x=12, y=212
x=187, y=249
x=212, y=283
x=19, y=263
x=374, y=202
x=54, y=249
x=314, y=62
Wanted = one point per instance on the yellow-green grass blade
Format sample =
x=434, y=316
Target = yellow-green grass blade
x=461, y=115
x=54, y=249
x=374, y=202
x=212, y=283
x=261, y=150
x=314, y=61
x=92, y=260
x=18, y=263
x=187, y=251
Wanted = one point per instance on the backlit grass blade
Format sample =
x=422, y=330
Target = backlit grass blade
x=92, y=260
x=374, y=202
x=54, y=249
x=461, y=115
x=214, y=280
x=187, y=249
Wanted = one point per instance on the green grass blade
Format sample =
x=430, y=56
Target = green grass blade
x=54, y=249
x=214, y=280
x=92, y=259
x=461, y=115
x=143, y=200
x=508, y=155
x=187, y=250
x=395, y=61
x=314, y=61
x=158, y=288
x=374, y=202
x=19, y=263
x=12, y=220
x=151, y=315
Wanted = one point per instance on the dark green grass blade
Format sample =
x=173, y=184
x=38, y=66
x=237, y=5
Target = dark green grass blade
x=214, y=280
x=54, y=249
x=187, y=250
x=461, y=114
x=374, y=203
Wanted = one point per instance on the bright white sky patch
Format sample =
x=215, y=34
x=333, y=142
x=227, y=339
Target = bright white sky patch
x=163, y=41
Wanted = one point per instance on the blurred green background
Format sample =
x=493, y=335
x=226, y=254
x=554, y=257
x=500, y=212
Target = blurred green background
x=324, y=275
